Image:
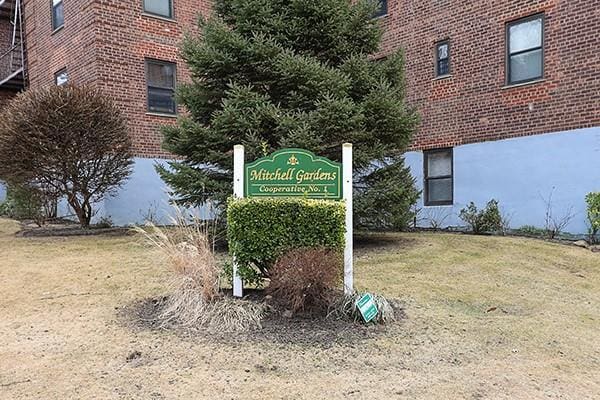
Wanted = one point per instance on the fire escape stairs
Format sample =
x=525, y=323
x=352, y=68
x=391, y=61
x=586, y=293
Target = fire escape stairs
x=12, y=59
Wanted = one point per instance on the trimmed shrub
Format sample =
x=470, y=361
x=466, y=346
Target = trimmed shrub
x=487, y=220
x=593, y=215
x=307, y=279
x=260, y=231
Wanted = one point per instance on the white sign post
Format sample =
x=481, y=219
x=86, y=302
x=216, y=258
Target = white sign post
x=238, y=191
x=347, y=189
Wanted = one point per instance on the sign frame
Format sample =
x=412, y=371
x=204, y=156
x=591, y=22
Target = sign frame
x=288, y=164
x=345, y=180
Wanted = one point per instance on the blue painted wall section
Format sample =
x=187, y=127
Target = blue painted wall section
x=144, y=196
x=522, y=173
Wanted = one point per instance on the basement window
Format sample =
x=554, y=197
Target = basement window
x=160, y=79
x=162, y=8
x=439, y=180
x=61, y=77
x=58, y=14
x=525, y=49
x=442, y=58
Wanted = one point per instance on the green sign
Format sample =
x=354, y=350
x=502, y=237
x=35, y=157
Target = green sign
x=293, y=173
x=367, y=307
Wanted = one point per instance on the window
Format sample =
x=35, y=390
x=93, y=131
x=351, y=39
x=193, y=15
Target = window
x=61, y=77
x=160, y=78
x=525, y=49
x=163, y=8
x=382, y=8
x=439, y=180
x=58, y=14
x=442, y=58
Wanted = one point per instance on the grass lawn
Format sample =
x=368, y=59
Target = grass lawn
x=486, y=318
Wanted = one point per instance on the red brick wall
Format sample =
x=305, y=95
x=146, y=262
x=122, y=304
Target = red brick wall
x=126, y=38
x=72, y=47
x=105, y=43
x=473, y=105
x=5, y=34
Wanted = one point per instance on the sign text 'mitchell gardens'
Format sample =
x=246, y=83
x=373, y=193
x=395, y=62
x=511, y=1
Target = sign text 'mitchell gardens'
x=292, y=173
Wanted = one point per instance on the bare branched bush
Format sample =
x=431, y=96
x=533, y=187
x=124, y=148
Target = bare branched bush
x=306, y=279
x=505, y=222
x=66, y=142
x=555, y=224
x=436, y=217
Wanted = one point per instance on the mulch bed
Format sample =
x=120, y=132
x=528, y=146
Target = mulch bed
x=68, y=229
x=304, y=330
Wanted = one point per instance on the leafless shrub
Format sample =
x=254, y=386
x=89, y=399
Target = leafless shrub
x=306, y=279
x=66, y=141
x=505, y=221
x=436, y=217
x=345, y=308
x=555, y=224
x=151, y=213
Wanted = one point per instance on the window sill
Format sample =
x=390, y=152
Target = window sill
x=165, y=115
x=382, y=16
x=60, y=28
x=439, y=205
x=515, y=85
x=159, y=17
x=442, y=77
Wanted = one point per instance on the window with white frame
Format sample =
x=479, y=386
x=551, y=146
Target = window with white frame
x=160, y=80
x=439, y=177
x=58, y=14
x=442, y=58
x=525, y=49
x=162, y=8
x=61, y=77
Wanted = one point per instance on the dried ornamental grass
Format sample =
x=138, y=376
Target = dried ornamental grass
x=345, y=308
x=194, y=282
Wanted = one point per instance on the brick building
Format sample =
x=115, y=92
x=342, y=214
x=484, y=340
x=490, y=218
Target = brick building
x=508, y=92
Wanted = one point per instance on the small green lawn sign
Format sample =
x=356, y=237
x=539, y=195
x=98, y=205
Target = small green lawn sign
x=367, y=307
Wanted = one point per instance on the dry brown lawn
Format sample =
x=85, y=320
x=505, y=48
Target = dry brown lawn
x=486, y=318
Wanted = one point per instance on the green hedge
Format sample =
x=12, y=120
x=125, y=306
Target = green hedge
x=259, y=231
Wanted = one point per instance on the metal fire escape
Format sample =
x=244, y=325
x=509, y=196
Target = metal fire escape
x=12, y=56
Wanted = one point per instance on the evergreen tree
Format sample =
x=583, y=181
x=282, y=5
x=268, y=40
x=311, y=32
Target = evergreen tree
x=270, y=74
